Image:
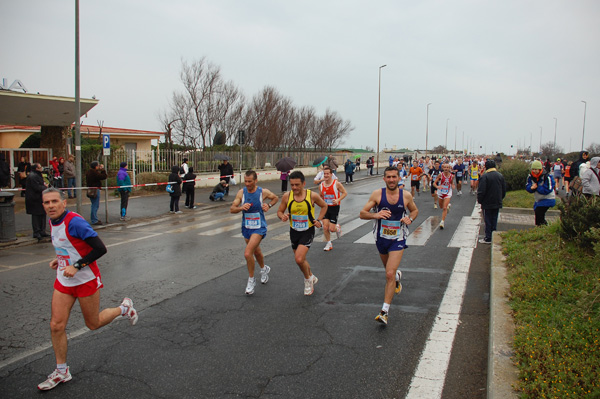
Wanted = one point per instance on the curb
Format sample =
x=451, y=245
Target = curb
x=502, y=373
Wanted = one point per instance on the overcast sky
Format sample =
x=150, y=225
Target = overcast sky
x=499, y=70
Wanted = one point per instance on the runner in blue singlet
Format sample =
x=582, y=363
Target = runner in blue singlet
x=250, y=201
x=395, y=210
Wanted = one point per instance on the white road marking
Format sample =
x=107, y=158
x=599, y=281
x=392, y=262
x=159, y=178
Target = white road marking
x=430, y=376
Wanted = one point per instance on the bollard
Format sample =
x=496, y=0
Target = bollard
x=7, y=217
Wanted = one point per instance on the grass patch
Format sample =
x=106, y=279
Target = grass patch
x=518, y=199
x=555, y=297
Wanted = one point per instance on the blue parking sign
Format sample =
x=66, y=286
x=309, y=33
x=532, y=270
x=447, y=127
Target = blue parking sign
x=106, y=144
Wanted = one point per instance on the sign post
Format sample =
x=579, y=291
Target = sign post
x=106, y=152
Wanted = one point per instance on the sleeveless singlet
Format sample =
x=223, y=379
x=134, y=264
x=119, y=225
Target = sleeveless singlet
x=330, y=193
x=253, y=218
x=392, y=228
x=445, y=186
x=302, y=214
x=474, y=172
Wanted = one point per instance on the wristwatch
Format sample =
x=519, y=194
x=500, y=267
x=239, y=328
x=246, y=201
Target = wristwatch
x=270, y=205
x=411, y=219
x=78, y=265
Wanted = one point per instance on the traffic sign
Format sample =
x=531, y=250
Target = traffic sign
x=106, y=144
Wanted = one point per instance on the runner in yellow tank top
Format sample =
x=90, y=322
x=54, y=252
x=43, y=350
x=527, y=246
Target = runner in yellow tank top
x=300, y=206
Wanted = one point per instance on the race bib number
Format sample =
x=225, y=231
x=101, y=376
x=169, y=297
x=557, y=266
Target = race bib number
x=415, y=177
x=390, y=229
x=300, y=222
x=63, y=258
x=444, y=189
x=252, y=220
x=329, y=198
x=459, y=174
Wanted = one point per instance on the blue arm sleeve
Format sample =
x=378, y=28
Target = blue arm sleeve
x=81, y=229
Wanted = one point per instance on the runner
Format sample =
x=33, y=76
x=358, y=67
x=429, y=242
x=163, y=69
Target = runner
x=254, y=226
x=390, y=230
x=77, y=248
x=300, y=204
x=333, y=192
x=459, y=170
x=559, y=171
x=427, y=165
x=415, y=178
x=444, y=185
x=433, y=174
x=474, y=173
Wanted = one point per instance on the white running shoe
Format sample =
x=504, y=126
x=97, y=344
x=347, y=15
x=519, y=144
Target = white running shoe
x=250, y=286
x=264, y=274
x=131, y=314
x=442, y=224
x=328, y=246
x=459, y=192
x=309, y=285
x=338, y=231
x=54, y=379
x=434, y=205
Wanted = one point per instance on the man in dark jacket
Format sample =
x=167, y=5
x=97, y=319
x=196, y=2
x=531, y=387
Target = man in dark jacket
x=226, y=171
x=583, y=158
x=34, y=187
x=490, y=193
x=218, y=191
x=189, y=187
x=94, y=177
x=4, y=172
x=175, y=182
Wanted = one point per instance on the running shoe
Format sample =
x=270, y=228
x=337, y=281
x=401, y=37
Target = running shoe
x=382, y=317
x=179, y=212
x=130, y=313
x=418, y=193
x=264, y=274
x=483, y=241
x=54, y=379
x=442, y=224
x=449, y=205
x=250, y=286
x=398, y=283
x=459, y=192
x=338, y=230
x=309, y=285
x=434, y=205
x=328, y=246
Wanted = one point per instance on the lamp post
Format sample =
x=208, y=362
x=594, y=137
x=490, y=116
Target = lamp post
x=555, y=123
x=78, y=179
x=583, y=134
x=446, y=144
x=540, y=141
x=379, y=116
x=427, y=129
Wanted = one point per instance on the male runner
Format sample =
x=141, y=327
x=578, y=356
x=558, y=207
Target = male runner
x=391, y=230
x=415, y=177
x=444, y=185
x=77, y=247
x=433, y=174
x=474, y=173
x=254, y=226
x=300, y=205
x=458, y=170
x=333, y=192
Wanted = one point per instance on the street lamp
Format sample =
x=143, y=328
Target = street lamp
x=427, y=129
x=555, y=123
x=583, y=134
x=540, y=142
x=378, y=116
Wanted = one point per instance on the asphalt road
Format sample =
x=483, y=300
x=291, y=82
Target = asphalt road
x=200, y=336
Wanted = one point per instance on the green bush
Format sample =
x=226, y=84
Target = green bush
x=145, y=178
x=515, y=174
x=577, y=218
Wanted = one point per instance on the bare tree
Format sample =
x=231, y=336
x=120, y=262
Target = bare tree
x=548, y=150
x=593, y=149
x=331, y=131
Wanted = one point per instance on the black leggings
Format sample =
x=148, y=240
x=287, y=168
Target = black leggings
x=540, y=215
x=174, y=207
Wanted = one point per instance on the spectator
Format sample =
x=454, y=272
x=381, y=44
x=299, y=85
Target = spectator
x=189, y=188
x=541, y=184
x=55, y=173
x=184, y=168
x=61, y=172
x=349, y=169
x=94, y=177
x=218, y=191
x=69, y=176
x=370, y=166
x=4, y=172
x=23, y=169
x=583, y=158
x=175, y=182
x=490, y=193
x=226, y=171
x=358, y=164
x=123, y=181
x=591, y=179
x=284, y=180
x=33, y=202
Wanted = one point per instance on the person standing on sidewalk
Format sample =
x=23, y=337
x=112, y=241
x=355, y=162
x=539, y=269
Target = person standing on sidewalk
x=300, y=205
x=541, y=184
x=175, y=182
x=94, y=177
x=77, y=248
x=396, y=210
x=69, y=176
x=333, y=192
x=250, y=201
x=189, y=188
x=226, y=172
x=349, y=170
x=490, y=193
x=124, y=183
x=35, y=186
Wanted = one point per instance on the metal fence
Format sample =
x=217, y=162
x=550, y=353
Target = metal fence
x=206, y=161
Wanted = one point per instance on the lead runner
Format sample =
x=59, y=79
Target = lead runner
x=396, y=210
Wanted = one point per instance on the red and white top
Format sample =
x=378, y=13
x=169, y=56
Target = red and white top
x=330, y=192
x=444, y=189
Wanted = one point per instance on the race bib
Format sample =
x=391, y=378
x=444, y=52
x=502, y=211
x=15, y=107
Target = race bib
x=252, y=220
x=459, y=174
x=444, y=189
x=63, y=258
x=329, y=199
x=300, y=222
x=390, y=229
x=415, y=177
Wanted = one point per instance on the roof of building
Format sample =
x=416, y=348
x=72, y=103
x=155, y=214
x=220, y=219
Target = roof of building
x=87, y=128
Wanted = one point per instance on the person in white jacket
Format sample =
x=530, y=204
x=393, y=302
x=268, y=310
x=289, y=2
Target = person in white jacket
x=591, y=179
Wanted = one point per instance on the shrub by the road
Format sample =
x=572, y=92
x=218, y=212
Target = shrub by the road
x=515, y=174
